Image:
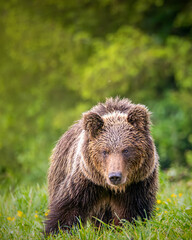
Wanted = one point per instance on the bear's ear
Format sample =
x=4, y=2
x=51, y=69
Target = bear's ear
x=139, y=117
x=92, y=123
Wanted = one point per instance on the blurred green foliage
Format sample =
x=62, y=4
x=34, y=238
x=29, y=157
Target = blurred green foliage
x=58, y=58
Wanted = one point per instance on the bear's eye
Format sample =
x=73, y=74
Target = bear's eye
x=105, y=153
x=126, y=152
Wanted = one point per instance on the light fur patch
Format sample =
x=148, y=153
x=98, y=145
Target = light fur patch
x=78, y=153
x=115, y=115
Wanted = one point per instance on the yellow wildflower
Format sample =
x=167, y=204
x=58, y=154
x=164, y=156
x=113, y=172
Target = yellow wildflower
x=180, y=194
x=173, y=195
x=157, y=209
x=165, y=211
x=168, y=200
x=36, y=216
x=10, y=218
x=158, y=201
x=47, y=212
x=19, y=213
x=36, y=211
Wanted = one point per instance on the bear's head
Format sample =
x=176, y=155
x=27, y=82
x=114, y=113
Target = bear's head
x=118, y=149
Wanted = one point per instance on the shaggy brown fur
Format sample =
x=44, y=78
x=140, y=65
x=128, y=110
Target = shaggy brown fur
x=105, y=166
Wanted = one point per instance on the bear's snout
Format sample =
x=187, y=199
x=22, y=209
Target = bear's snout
x=115, y=178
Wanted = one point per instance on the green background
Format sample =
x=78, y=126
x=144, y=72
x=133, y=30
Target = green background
x=59, y=58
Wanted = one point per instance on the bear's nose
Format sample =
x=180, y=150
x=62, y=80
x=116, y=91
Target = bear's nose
x=115, y=177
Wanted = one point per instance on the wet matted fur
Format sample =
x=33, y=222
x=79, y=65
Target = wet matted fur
x=113, y=138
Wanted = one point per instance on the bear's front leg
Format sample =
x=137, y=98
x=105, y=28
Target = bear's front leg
x=73, y=203
x=63, y=217
x=136, y=202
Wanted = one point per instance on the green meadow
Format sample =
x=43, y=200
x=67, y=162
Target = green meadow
x=23, y=211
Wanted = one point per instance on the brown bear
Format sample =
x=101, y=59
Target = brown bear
x=104, y=167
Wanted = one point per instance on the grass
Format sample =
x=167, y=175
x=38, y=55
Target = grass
x=23, y=211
